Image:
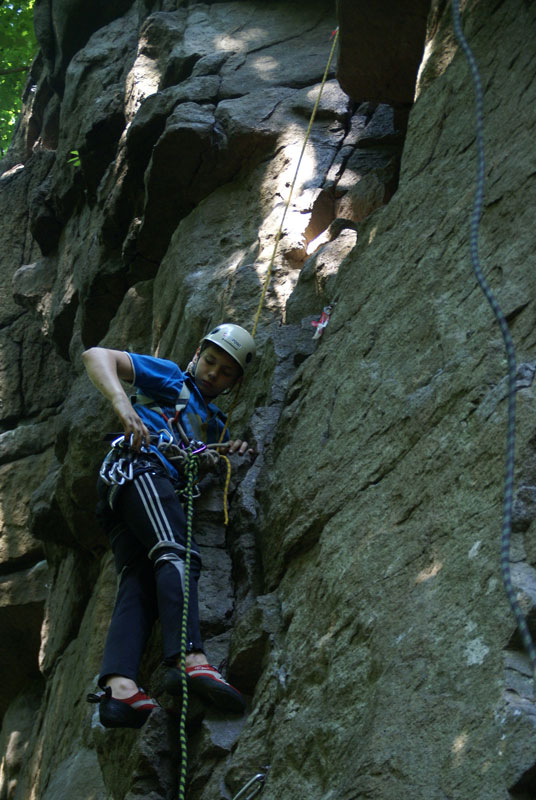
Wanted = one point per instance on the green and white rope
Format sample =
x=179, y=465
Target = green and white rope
x=191, y=478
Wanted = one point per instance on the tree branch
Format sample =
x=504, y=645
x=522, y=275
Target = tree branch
x=13, y=69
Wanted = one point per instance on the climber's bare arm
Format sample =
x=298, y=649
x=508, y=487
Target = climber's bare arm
x=106, y=369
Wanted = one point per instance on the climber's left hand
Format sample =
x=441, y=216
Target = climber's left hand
x=240, y=447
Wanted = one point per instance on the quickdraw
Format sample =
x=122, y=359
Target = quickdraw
x=257, y=781
x=118, y=466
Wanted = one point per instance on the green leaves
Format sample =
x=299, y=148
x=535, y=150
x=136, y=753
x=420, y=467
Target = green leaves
x=17, y=49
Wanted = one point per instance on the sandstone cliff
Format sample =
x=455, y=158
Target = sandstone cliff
x=356, y=593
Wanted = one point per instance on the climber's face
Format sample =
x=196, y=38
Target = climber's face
x=215, y=371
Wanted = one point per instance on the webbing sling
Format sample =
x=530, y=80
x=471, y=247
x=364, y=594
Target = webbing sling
x=150, y=403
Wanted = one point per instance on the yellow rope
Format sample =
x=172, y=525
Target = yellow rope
x=280, y=231
x=226, y=489
x=276, y=245
x=182, y=777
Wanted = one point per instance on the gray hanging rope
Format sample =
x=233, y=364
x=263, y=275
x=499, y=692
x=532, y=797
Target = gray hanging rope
x=508, y=344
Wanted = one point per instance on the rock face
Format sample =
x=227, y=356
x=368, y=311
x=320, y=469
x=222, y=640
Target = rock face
x=356, y=594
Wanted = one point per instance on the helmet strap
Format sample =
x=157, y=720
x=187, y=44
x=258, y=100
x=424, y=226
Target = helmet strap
x=236, y=385
x=192, y=366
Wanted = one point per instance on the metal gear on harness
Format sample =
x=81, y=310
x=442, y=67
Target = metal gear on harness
x=117, y=468
x=119, y=465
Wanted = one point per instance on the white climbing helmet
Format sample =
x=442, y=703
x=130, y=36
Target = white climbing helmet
x=236, y=341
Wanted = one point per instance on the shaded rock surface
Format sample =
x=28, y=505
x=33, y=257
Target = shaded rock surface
x=391, y=36
x=356, y=593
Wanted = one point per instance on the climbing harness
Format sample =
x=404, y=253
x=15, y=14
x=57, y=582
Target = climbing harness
x=257, y=782
x=191, y=477
x=180, y=405
x=508, y=344
x=121, y=462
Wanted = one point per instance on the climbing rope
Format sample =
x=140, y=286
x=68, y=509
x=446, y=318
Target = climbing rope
x=293, y=184
x=226, y=488
x=285, y=210
x=191, y=478
x=191, y=474
x=508, y=344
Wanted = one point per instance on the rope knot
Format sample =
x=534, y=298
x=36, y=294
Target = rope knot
x=191, y=468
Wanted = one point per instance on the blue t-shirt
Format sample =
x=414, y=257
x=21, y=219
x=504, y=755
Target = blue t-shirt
x=161, y=381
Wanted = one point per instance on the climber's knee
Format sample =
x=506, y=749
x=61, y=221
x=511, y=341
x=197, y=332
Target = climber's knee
x=175, y=554
x=167, y=551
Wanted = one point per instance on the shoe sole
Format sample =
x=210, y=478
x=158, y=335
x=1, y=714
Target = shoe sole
x=115, y=714
x=221, y=697
x=206, y=688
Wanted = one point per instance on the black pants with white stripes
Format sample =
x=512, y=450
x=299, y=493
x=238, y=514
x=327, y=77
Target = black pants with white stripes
x=147, y=527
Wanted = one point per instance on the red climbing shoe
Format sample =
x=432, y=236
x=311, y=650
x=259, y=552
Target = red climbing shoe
x=131, y=712
x=208, y=683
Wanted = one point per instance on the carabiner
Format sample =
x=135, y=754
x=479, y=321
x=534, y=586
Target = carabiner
x=259, y=780
x=103, y=473
x=113, y=472
x=120, y=469
x=196, y=491
x=165, y=439
x=106, y=467
x=201, y=446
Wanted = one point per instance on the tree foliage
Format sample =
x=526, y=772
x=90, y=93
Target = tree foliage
x=17, y=49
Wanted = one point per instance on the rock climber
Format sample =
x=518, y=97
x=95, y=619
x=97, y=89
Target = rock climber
x=145, y=521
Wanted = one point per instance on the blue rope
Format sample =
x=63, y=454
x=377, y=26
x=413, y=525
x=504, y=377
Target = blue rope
x=508, y=344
